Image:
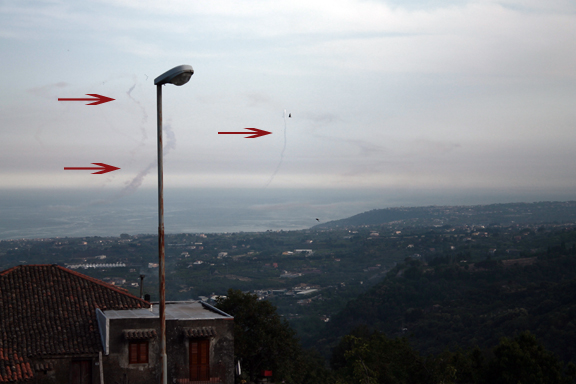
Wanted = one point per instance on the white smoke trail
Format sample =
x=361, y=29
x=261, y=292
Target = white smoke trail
x=132, y=186
x=143, y=121
x=169, y=140
x=281, y=155
x=144, y=113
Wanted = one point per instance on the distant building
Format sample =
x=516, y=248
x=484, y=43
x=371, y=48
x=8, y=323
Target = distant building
x=57, y=325
x=290, y=275
x=96, y=266
x=307, y=292
x=115, y=280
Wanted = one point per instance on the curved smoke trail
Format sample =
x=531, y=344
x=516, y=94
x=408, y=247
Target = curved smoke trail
x=144, y=120
x=132, y=185
x=281, y=155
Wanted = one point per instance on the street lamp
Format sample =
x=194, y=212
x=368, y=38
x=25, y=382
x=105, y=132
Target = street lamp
x=178, y=76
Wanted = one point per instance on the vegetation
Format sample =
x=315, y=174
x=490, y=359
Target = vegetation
x=503, y=214
x=374, y=358
x=263, y=341
x=451, y=305
x=451, y=294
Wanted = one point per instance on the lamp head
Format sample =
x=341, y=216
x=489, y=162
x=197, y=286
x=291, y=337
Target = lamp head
x=178, y=75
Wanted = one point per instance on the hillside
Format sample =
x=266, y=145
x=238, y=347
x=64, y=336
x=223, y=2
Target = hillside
x=442, y=276
x=445, y=303
x=504, y=214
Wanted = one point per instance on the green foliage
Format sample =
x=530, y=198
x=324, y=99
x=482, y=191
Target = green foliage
x=312, y=369
x=524, y=360
x=265, y=341
x=448, y=306
x=373, y=359
x=377, y=359
x=467, y=294
x=262, y=339
x=493, y=214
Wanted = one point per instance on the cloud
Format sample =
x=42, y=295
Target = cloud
x=137, y=46
x=389, y=90
x=482, y=36
x=256, y=99
x=320, y=117
x=423, y=146
x=47, y=91
x=265, y=18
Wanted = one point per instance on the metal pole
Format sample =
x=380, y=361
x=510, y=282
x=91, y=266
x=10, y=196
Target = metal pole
x=161, y=274
x=142, y=286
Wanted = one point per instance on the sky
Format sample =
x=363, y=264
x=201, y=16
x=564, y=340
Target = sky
x=411, y=94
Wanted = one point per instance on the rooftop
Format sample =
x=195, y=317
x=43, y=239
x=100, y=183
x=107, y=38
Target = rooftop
x=48, y=310
x=180, y=310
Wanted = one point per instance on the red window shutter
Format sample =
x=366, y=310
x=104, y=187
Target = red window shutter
x=133, y=353
x=138, y=352
x=194, y=374
x=204, y=359
x=143, y=352
x=200, y=360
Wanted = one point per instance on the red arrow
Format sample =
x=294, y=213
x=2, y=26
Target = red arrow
x=99, y=99
x=258, y=133
x=103, y=168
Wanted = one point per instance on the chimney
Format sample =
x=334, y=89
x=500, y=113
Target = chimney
x=142, y=285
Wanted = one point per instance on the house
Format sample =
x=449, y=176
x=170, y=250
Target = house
x=199, y=343
x=59, y=326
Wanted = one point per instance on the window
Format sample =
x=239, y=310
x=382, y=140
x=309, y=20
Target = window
x=138, y=352
x=200, y=359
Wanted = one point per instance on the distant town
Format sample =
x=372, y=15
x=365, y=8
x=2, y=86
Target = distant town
x=308, y=274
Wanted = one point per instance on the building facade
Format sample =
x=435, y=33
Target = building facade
x=59, y=326
x=199, y=343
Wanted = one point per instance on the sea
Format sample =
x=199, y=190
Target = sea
x=51, y=213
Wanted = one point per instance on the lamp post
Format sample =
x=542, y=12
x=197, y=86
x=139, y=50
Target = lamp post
x=178, y=76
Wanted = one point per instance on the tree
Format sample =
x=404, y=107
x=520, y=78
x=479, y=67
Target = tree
x=262, y=339
x=524, y=360
x=376, y=359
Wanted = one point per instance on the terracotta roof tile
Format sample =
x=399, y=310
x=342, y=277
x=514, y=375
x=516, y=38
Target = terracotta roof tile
x=199, y=332
x=139, y=334
x=13, y=367
x=50, y=310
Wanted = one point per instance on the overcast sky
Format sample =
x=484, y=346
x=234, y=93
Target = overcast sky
x=383, y=94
